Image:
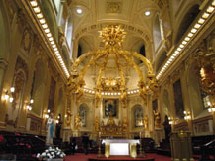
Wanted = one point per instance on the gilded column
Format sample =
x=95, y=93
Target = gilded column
x=3, y=66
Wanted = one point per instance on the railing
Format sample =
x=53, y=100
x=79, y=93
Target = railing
x=208, y=150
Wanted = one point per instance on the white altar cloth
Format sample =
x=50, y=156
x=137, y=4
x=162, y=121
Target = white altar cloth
x=120, y=146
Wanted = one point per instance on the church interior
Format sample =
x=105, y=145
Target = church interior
x=109, y=69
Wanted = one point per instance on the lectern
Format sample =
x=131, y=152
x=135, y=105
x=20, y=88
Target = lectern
x=181, y=148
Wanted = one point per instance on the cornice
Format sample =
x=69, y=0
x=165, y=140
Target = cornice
x=190, y=47
x=42, y=36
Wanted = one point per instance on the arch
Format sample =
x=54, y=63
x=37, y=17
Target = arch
x=79, y=50
x=142, y=50
x=125, y=54
x=187, y=20
x=144, y=34
x=83, y=44
x=16, y=108
x=38, y=86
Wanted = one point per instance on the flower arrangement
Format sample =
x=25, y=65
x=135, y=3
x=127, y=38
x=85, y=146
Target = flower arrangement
x=51, y=153
x=2, y=140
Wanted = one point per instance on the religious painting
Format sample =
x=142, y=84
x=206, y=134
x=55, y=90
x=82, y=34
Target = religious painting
x=178, y=100
x=83, y=115
x=138, y=116
x=110, y=107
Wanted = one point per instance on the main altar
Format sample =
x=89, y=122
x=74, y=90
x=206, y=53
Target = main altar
x=121, y=147
x=112, y=129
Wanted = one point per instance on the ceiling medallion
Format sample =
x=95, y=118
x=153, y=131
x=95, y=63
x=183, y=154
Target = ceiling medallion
x=114, y=7
x=111, y=64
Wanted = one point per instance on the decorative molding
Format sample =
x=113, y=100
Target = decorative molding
x=99, y=26
x=3, y=63
x=114, y=7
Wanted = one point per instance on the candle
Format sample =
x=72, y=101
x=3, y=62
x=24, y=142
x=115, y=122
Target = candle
x=140, y=134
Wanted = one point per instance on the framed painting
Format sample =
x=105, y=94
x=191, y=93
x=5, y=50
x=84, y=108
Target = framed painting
x=110, y=107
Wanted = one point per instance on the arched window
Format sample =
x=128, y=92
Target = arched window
x=187, y=21
x=56, y=4
x=157, y=33
x=138, y=116
x=79, y=50
x=142, y=50
x=68, y=32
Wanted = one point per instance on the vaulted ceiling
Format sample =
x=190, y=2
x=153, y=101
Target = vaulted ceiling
x=129, y=14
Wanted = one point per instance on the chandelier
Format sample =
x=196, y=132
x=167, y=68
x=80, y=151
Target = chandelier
x=111, y=64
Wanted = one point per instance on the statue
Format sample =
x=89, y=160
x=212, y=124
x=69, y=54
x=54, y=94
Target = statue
x=50, y=130
x=157, y=119
x=77, y=122
x=111, y=121
x=146, y=122
x=124, y=125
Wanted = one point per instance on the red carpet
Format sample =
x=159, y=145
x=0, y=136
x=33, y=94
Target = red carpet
x=83, y=157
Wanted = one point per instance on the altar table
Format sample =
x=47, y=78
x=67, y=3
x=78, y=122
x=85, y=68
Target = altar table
x=121, y=147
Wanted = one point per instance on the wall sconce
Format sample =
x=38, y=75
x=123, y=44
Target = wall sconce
x=58, y=120
x=9, y=94
x=46, y=114
x=171, y=121
x=187, y=115
x=211, y=107
x=29, y=105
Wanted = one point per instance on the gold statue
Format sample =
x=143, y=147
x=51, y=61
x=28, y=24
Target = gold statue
x=97, y=124
x=77, y=122
x=146, y=122
x=124, y=125
x=111, y=121
x=157, y=119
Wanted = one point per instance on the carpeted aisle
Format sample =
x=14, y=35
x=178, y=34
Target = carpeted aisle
x=83, y=157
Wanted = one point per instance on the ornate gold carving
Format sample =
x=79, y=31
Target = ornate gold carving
x=96, y=124
x=77, y=121
x=207, y=72
x=113, y=129
x=112, y=58
x=114, y=7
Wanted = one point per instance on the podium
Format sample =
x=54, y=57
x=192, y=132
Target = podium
x=121, y=147
x=181, y=148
